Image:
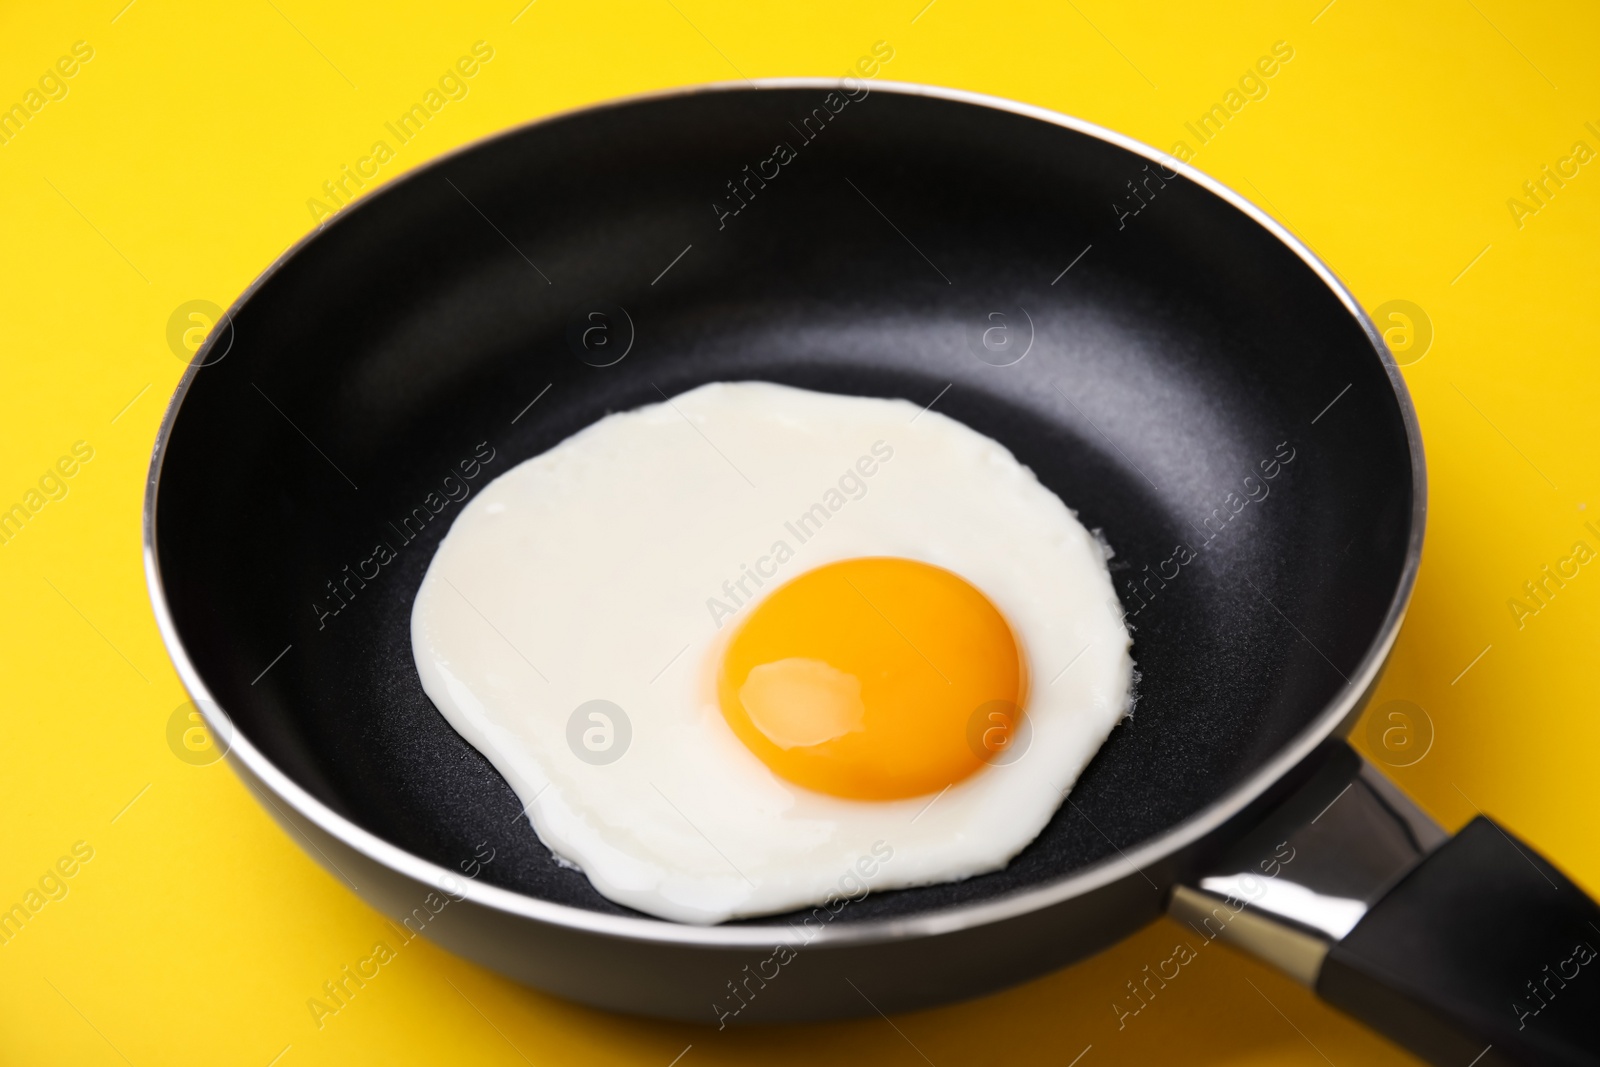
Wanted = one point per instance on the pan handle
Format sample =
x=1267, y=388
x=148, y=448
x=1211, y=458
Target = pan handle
x=1466, y=950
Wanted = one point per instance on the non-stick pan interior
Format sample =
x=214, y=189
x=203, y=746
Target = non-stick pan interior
x=1172, y=386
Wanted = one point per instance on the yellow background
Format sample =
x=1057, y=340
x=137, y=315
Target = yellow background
x=179, y=166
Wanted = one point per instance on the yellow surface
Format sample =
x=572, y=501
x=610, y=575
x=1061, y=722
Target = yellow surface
x=180, y=163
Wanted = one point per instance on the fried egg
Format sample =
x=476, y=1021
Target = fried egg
x=757, y=648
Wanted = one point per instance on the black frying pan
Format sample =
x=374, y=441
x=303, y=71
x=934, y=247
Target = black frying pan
x=1167, y=359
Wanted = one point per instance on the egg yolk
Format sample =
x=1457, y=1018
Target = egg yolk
x=864, y=679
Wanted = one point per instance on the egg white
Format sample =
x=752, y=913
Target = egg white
x=607, y=568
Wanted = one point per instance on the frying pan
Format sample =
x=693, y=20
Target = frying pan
x=1167, y=359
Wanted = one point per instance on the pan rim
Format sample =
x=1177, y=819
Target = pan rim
x=1077, y=883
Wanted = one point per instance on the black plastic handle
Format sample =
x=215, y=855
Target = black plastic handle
x=1482, y=954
